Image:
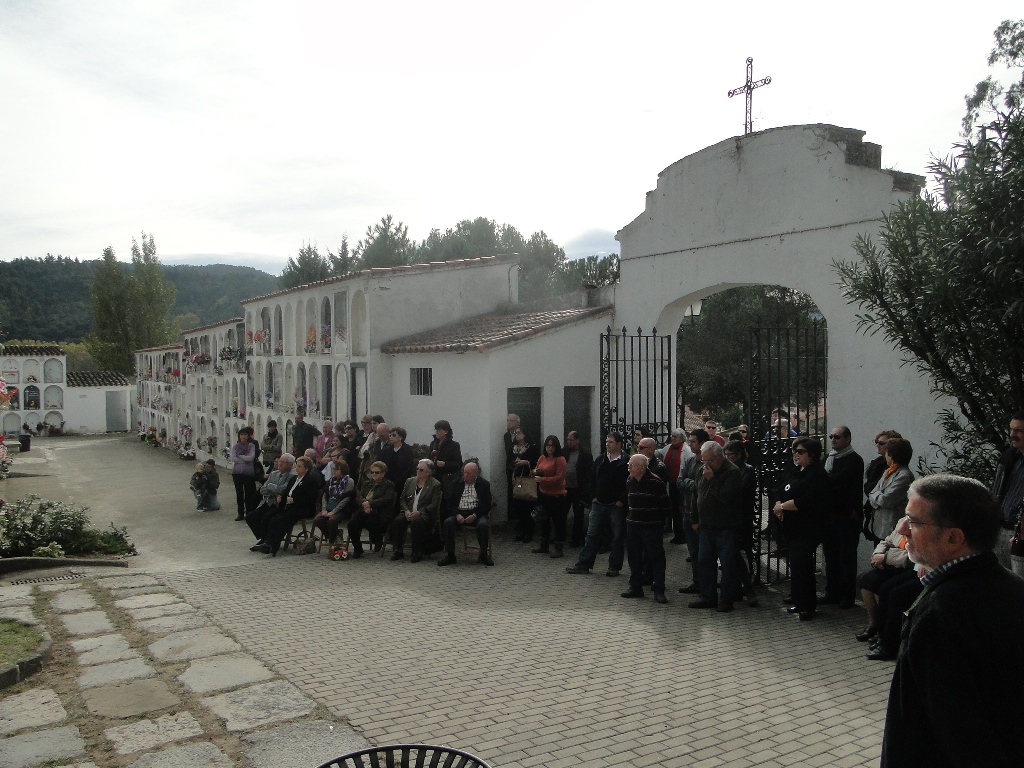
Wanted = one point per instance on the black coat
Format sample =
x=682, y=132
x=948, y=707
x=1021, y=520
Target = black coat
x=955, y=694
x=304, y=497
x=845, y=481
x=810, y=491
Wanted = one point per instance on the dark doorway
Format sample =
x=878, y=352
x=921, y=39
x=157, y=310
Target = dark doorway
x=577, y=408
x=525, y=403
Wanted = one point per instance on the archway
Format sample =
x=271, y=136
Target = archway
x=778, y=207
x=360, y=331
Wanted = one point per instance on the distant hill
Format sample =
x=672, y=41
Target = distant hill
x=50, y=298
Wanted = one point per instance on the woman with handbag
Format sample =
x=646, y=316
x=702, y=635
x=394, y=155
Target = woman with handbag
x=552, y=496
x=524, y=456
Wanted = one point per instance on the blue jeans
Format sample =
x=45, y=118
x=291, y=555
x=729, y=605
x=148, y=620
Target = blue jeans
x=645, y=540
x=206, y=500
x=598, y=514
x=718, y=545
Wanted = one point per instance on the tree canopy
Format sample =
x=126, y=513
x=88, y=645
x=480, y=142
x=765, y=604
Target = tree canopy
x=131, y=307
x=944, y=283
x=544, y=268
x=713, y=348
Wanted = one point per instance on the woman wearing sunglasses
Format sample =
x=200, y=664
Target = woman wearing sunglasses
x=802, y=509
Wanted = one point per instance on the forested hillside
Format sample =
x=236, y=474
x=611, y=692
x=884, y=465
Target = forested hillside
x=49, y=298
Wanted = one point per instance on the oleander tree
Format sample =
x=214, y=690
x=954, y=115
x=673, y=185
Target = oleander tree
x=944, y=280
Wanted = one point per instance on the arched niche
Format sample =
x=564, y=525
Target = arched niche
x=53, y=397
x=343, y=409
x=340, y=344
x=313, y=392
x=53, y=419
x=326, y=338
x=11, y=422
x=30, y=371
x=278, y=331
x=30, y=398
x=360, y=331
x=53, y=371
x=289, y=389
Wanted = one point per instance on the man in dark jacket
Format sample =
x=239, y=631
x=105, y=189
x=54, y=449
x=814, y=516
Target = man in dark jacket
x=608, y=479
x=647, y=503
x=841, y=533
x=303, y=435
x=719, y=516
x=579, y=463
x=470, y=503
x=1008, y=488
x=955, y=694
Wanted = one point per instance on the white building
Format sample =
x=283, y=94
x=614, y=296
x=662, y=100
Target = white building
x=49, y=396
x=416, y=344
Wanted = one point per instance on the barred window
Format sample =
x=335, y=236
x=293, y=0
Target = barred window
x=421, y=381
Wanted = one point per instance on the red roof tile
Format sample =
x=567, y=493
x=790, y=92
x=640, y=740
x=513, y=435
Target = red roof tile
x=97, y=379
x=484, y=332
x=18, y=350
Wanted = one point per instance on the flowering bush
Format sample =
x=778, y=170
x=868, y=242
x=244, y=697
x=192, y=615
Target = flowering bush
x=33, y=522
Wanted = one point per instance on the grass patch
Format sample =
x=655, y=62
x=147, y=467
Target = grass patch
x=17, y=641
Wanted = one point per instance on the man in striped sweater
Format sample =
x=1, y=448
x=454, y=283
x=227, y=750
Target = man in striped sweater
x=647, y=503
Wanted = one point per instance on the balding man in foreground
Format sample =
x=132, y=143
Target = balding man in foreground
x=955, y=695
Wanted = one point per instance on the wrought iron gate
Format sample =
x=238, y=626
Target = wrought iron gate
x=636, y=384
x=788, y=382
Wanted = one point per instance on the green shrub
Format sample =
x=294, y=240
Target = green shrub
x=53, y=549
x=34, y=523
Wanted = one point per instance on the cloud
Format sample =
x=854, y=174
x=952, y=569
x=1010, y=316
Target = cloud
x=599, y=242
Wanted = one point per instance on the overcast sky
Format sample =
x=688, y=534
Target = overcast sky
x=235, y=131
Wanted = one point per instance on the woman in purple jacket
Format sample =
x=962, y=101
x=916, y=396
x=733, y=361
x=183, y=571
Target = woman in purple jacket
x=243, y=454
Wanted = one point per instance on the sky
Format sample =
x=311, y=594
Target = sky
x=237, y=131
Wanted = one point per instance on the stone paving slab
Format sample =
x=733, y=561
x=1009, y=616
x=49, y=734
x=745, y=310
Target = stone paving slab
x=73, y=600
x=114, y=672
x=31, y=709
x=259, y=705
x=146, y=734
x=60, y=586
x=300, y=744
x=144, y=601
x=219, y=673
x=40, y=747
x=129, y=699
x=87, y=623
x=121, y=594
x=18, y=613
x=163, y=625
x=103, y=649
x=200, y=755
x=16, y=594
x=152, y=612
x=133, y=581
x=192, y=644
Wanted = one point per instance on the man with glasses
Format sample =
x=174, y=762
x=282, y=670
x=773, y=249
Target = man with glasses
x=711, y=428
x=841, y=532
x=955, y=694
x=1008, y=488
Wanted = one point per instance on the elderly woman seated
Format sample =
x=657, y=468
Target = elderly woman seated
x=297, y=502
x=339, y=498
x=419, y=505
x=889, y=560
x=375, y=508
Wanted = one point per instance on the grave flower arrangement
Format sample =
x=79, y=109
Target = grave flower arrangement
x=311, y=339
x=5, y=462
x=325, y=337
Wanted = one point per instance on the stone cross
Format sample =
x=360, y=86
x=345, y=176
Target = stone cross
x=748, y=88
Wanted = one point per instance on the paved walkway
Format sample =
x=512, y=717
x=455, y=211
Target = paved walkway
x=520, y=663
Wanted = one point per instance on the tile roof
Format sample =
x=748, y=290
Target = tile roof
x=231, y=321
x=18, y=350
x=383, y=271
x=163, y=348
x=97, y=379
x=485, y=332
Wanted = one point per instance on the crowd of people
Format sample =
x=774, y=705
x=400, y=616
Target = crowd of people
x=939, y=593
x=361, y=485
